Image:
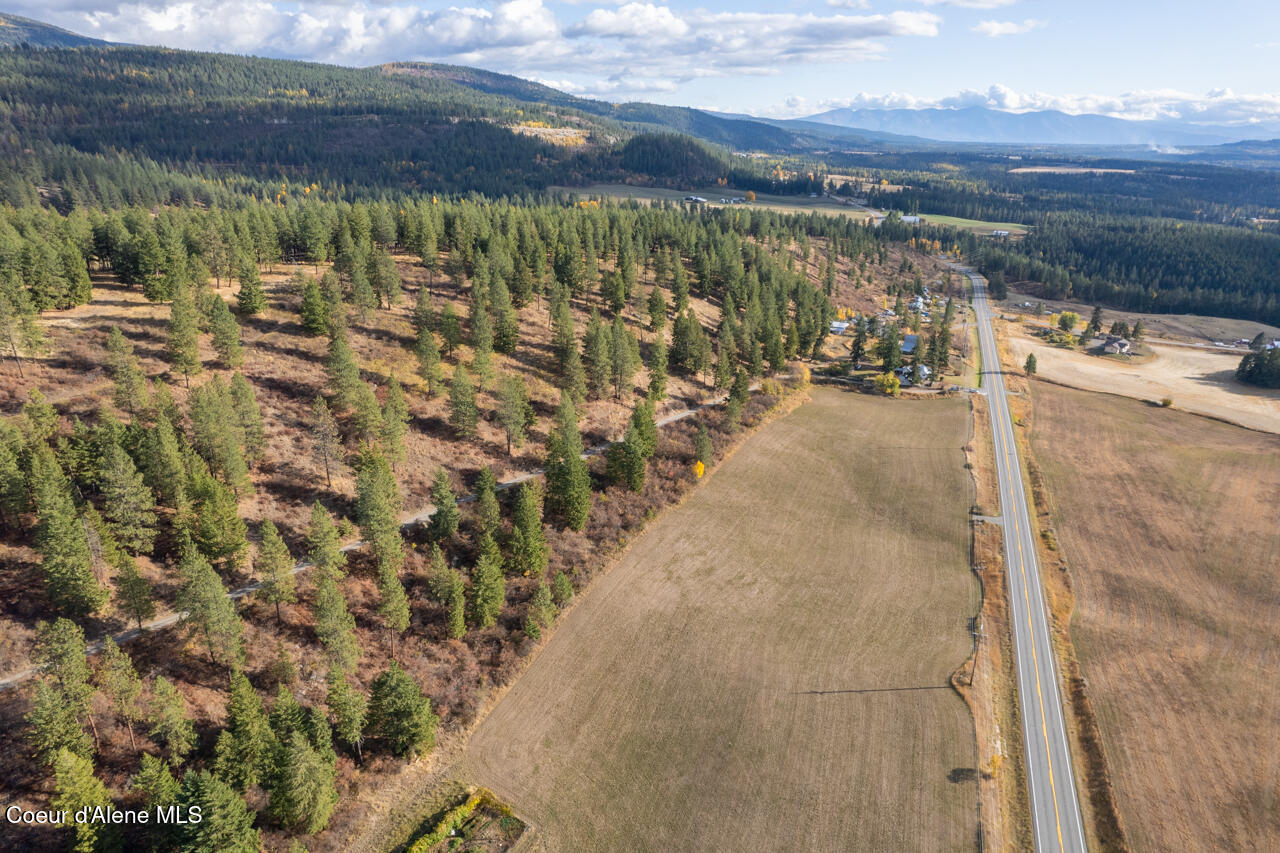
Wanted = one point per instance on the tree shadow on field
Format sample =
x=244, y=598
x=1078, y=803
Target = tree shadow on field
x=960, y=775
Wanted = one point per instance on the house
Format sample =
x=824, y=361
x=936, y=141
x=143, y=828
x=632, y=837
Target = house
x=910, y=220
x=909, y=343
x=695, y=199
x=839, y=327
x=999, y=233
x=1116, y=346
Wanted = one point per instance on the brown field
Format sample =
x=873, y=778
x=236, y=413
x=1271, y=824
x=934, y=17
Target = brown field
x=768, y=667
x=1197, y=380
x=1168, y=524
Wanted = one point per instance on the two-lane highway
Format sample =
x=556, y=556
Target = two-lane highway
x=1055, y=806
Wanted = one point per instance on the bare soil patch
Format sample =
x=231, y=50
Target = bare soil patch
x=769, y=666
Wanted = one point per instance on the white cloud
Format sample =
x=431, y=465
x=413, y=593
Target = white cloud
x=633, y=20
x=994, y=29
x=1216, y=107
x=969, y=4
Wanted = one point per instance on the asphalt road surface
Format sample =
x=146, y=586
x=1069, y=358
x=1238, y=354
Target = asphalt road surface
x=1055, y=806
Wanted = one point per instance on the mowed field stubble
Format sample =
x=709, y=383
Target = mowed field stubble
x=767, y=668
x=1168, y=522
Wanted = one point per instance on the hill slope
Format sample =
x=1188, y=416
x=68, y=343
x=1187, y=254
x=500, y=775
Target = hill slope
x=16, y=30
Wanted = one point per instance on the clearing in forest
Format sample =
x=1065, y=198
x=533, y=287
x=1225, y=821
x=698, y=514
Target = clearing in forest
x=768, y=666
x=1168, y=523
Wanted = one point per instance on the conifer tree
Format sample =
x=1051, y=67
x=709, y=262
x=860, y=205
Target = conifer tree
x=399, y=713
x=514, y=411
x=128, y=504
x=13, y=483
x=335, y=627
x=40, y=417
x=541, y=612
x=463, y=415
x=625, y=462
x=126, y=373
x=624, y=353
x=481, y=343
x=646, y=427
x=574, y=378
x=506, y=320
x=226, y=823
x=60, y=652
x=155, y=782
x=658, y=370
x=170, y=724
x=657, y=306
x=450, y=329
x=287, y=715
x=393, y=605
x=324, y=545
x=428, y=354
x=366, y=415
x=395, y=421
x=251, y=299
x=184, y=335
x=202, y=600
x=213, y=521
x=54, y=726
x=488, y=586
x=226, y=333
x=315, y=309
x=568, y=481
x=529, y=551
x=245, y=404
x=77, y=788
x=597, y=356
x=162, y=467
x=487, y=509
x=133, y=591
x=424, y=315
x=561, y=589
x=326, y=438
x=66, y=563
x=120, y=684
x=303, y=792
x=19, y=330
x=218, y=433
x=456, y=602
x=342, y=371
x=444, y=521
x=246, y=746
x=275, y=567
x=702, y=451
x=349, y=709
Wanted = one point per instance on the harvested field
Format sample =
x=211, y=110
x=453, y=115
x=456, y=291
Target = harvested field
x=768, y=667
x=1200, y=381
x=1167, y=522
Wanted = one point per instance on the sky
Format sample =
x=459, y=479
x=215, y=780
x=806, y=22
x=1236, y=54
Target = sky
x=1193, y=61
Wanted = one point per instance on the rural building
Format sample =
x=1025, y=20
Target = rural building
x=1116, y=345
x=839, y=327
x=909, y=343
x=999, y=233
x=911, y=220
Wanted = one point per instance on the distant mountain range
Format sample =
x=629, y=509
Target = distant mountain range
x=16, y=31
x=1042, y=127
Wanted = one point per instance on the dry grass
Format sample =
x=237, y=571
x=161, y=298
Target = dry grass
x=769, y=666
x=1167, y=521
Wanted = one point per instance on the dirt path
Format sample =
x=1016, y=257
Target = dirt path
x=768, y=667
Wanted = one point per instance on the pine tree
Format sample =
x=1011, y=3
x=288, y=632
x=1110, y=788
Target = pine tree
x=275, y=567
x=428, y=354
x=342, y=371
x=488, y=586
x=506, y=327
x=625, y=357
x=133, y=591
x=60, y=652
x=120, y=684
x=66, y=562
x=155, y=782
x=514, y=411
x=126, y=373
x=658, y=371
x=349, y=708
x=77, y=788
x=702, y=451
x=128, y=504
x=246, y=746
x=561, y=589
x=213, y=521
x=574, y=378
x=424, y=316
x=40, y=416
x=218, y=433
x=487, y=509
x=324, y=545
x=303, y=793
x=54, y=726
x=366, y=415
x=162, y=467
x=597, y=356
x=170, y=724
x=245, y=403
x=13, y=483
x=287, y=715
x=400, y=714
x=568, y=481
x=529, y=551
x=395, y=421
x=326, y=438
x=625, y=462
x=335, y=627
x=184, y=335
x=315, y=310
x=481, y=343
x=643, y=421
x=393, y=605
x=445, y=518
x=463, y=413
x=541, y=612
x=202, y=600
x=226, y=333
x=657, y=306
x=226, y=823
x=450, y=329
x=251, y=299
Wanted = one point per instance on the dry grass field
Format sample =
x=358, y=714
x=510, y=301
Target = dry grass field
x=1168, y=524
x=767, y=668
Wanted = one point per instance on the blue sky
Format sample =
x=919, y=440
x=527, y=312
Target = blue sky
x=1208, y=62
